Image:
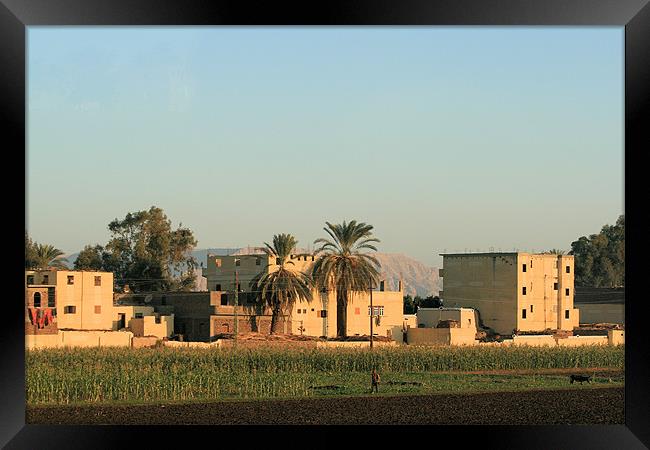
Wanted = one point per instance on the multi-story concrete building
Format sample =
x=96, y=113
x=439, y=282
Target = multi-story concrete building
x=317, y=318
x=75, y=300
x=512, y=291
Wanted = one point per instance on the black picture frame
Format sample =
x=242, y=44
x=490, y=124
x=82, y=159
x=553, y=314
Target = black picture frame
x=634, y=15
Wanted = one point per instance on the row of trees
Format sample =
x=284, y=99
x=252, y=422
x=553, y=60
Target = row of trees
x=600, y=258
x=411, y=304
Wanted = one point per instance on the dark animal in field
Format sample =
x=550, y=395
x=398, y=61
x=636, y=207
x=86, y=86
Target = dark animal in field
x=580, y=378
x=404, y=383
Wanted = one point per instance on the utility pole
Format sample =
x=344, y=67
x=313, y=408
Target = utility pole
x=236, y=327
x=372, y=314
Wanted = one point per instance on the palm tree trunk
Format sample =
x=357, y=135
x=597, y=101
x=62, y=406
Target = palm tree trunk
x=341, y=313
x=275, y=312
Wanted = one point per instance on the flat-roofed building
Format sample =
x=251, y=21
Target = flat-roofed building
x=317, y=318
x=512, y=291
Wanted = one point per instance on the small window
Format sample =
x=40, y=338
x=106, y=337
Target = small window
x=70, y=279
x=566, y=292
x=568, y=269
x=524, y=268
x=46, y=279
x=158, y=319
x=523, y=313
x=98, y=281
x=37, y=300
x=217, y=287
x=523, y=290
x=531, y=263
x=70, y=310
x=312, y=309
x=139, y=315
x=98, y=309
x=224, y=299
x=238, y=262
x=470, y=321
x=258, y=261
x=30, y=279
x=566, y=314
x=312, y=257
x=531, y=308
x=555, y=286
x=238, y=287
x=217, y=262
x=50, y=297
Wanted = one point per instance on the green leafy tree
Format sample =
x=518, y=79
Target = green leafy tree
x=409, y=304
x=148, y=255
x=342, y=265
x=45, y=256
x=90, y=258
x=600, y=258
x=280, y=289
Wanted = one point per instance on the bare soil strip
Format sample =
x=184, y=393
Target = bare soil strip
x=566, y=406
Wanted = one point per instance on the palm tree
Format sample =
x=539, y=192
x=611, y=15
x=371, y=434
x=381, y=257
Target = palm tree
x=342, y=266
x=279, y=289
x=554, y=251
x=45, y=256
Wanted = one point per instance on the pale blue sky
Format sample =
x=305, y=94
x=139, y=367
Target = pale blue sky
x=443, y=138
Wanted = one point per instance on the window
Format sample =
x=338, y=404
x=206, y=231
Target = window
x=524, y=268
x=157, y=319
x=238, y=262
x=323, y=313
x=37, y=300
x=555, y=286
x=531, y=308
x=70, y=279
x=566, y=292
x=50, y=297
x=523, y=313
x=531, y=263
x=470, y=321
x=377, y=310
x=523, y=290
x=70, y=310
x=46, y=279
x=238, y=287
x=30, y=279
x=217, y=287
x=224, y=299
x=566, y=314
x=98, y=309
x=568, y=269
x=258, y=261
x=139, y=315
x=312, y=309
x=217, y=262
x=98, y=281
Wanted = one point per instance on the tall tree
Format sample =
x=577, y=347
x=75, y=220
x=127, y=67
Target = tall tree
x=282, y=287
x=30, y=253
x=342, y=265
x=600, y=258
x=90, y=258
x=148, y=255
x=46, y=256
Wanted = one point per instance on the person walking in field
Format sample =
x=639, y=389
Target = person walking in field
x=375, y=381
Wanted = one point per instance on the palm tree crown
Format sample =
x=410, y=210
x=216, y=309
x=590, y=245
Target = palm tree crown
x=46, y=256
x=279, y=289
x=343, y=266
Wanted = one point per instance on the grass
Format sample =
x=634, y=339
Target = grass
x=123, y=375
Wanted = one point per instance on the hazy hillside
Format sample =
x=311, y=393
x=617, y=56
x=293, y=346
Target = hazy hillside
x=418, y=279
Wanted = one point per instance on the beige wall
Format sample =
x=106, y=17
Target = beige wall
x=80, y=339
x=129, y=314
x=493, y=284
x=429, y=317
x=615, y=337
x=441, y=336
x=163, y=329
x=602, y=312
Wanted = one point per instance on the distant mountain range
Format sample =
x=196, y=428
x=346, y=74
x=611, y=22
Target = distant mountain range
x=417, y=278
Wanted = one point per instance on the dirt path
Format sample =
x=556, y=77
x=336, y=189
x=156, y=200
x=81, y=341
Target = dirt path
x=567, y=406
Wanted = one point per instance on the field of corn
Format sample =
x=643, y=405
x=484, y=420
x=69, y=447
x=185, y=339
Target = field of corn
x=64, y=376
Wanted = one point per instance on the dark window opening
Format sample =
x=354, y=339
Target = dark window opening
x=323, y=313
x=70, y=310
x=98, y=281
x=157, y=319
x=555, y=286
x=30, y=279
x=46, y=279
x=566, y=314
x=139, y=315
x=37, y=300
x=566, y=292
x=568, y=269
x=217, y=287
x=531, y=308
x=238, y=262
x=70, y=279
x=523, y=313
x=524, y=268
x=50, y=297
x=523, y=290
x=224, y=299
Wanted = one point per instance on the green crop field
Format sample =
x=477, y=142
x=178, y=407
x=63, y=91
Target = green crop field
x=73, y=376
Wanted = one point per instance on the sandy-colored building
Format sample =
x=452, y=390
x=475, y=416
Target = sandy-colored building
x=512, y=291
x=317, y=318
x=77, y=300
